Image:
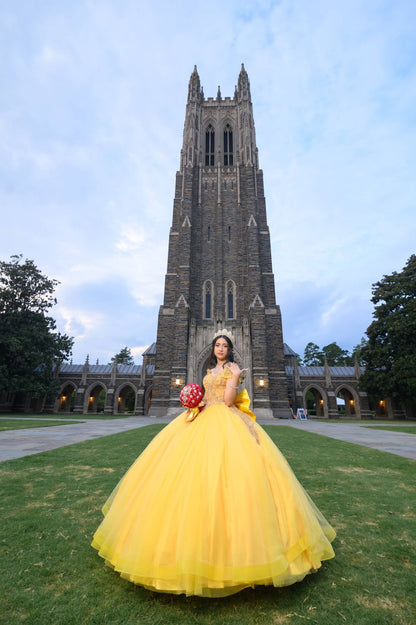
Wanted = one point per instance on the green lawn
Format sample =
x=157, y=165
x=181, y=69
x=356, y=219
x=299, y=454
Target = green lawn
x=51, y=506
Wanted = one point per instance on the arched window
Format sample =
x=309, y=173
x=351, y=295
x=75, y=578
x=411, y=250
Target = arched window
x=230, y=299
x=208, y=299
x=228, y=146
x=209, y=146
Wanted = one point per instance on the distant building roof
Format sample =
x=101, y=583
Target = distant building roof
x=69, y=368
x=320, y=371
x=102, y=369
x=130, y=369
x=288, y=351
x=150, y=351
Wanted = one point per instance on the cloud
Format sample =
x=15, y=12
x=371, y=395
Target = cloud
x=91, y=119
x=138, y=351
x=104, y=317
x=78, y=323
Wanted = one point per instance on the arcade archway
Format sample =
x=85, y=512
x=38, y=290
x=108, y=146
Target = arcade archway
x=126, y=401
x=315, y=402
x=348, y=404
x=67, y=398
x=96, y=399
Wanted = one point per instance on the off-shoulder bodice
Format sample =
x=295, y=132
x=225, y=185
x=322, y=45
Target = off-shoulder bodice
x=214, y=385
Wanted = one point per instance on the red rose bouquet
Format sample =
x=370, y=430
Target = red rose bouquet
x=191, y=397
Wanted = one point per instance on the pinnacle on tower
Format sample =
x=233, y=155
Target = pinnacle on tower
x=194, y=89
x=243, y=85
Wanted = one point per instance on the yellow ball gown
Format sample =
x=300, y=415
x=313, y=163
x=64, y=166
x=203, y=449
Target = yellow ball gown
x=211, y=507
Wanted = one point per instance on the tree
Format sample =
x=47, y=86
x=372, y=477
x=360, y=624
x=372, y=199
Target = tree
x=313, y=355
x=390, y=355
x=335, y=355
x=30, y=347
x=124, y=357
x=357, y=353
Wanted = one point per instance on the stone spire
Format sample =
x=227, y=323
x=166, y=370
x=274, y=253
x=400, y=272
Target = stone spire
x=113, y=373
x=85, y=370
x=327, y=374
x=296, y=373
x=247, y=153
x=243, y=91
x=357, y=368
x=194, y=88
x=190, y=147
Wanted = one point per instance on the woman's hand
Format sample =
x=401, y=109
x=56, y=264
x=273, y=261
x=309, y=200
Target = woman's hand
x=231, y=388
x=235, y=369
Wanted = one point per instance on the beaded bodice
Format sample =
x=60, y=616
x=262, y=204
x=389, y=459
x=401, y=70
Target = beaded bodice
x=214, y=385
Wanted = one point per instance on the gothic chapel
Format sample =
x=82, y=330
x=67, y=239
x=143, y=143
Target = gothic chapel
x=219, y=272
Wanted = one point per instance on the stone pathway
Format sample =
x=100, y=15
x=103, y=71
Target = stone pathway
x=399, y=443
x=20, y=443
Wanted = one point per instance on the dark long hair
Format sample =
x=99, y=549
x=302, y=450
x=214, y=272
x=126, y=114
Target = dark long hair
x=230, y=355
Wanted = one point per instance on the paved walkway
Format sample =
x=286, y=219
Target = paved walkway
x=399, y=443
x=20, y=443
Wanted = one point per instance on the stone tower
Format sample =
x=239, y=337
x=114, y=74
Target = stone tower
x=219, y=272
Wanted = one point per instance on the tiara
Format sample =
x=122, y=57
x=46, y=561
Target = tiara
x=224, y=332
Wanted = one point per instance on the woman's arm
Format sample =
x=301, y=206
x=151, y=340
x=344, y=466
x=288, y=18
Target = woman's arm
x=231, y=388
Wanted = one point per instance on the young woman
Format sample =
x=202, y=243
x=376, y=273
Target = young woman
x=211, y=506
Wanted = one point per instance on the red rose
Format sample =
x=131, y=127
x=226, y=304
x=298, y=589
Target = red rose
x=191, y=395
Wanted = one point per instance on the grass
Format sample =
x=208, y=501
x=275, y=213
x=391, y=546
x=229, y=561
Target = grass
x=51, y=506
x=23, y=424
x=408, y=429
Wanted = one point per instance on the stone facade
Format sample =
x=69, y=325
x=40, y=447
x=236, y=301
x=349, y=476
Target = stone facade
x=111, y=389
x=334, y=392
x=127, y=389
x=219, y=270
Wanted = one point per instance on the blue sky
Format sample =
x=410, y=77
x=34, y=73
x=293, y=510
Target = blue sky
x=92, y=106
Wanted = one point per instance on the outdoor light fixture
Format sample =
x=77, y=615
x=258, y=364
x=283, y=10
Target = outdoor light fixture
x=261, y=382
x=177, y=381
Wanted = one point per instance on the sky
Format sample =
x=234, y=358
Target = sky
x=92, y=108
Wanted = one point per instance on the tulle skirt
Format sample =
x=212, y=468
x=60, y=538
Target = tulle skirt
x=209, y=508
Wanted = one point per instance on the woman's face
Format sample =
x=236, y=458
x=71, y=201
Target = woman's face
x=221, y=350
